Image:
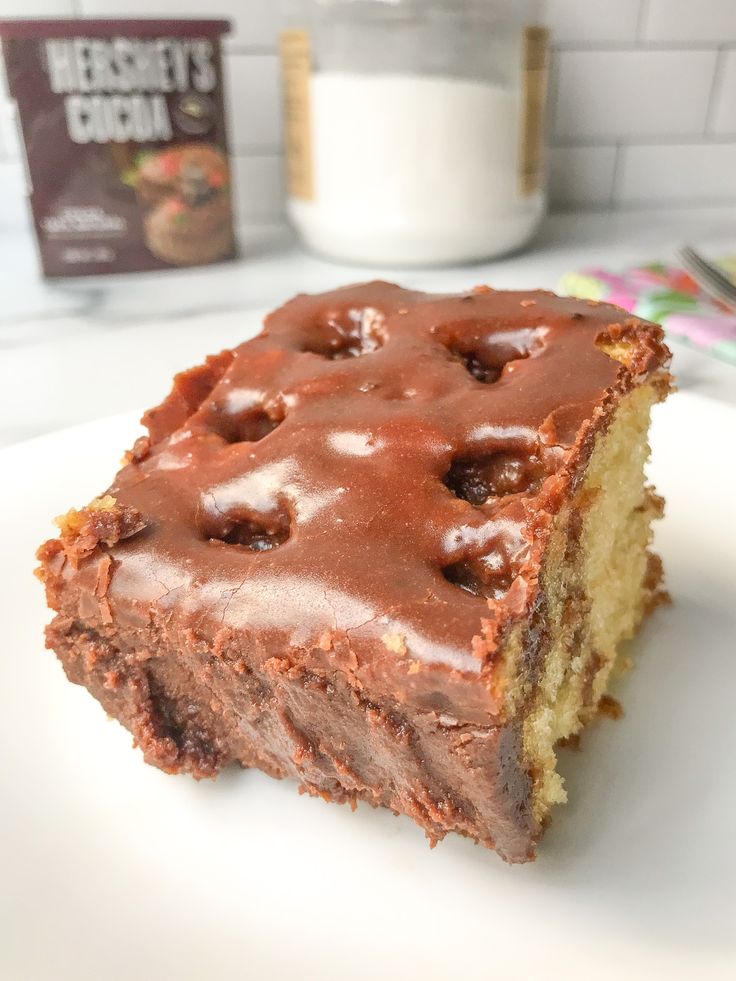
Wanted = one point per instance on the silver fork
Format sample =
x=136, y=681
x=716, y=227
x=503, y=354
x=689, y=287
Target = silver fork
x=714, y=282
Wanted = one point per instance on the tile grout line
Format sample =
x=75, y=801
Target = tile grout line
x=615, y=177
x=643, y=47
x=658, y=204
x=641, y=19
x=715, y=91
x=552, y=98
x=646, y=204
x=645, y=139
x=637, y=44
x=240, y=48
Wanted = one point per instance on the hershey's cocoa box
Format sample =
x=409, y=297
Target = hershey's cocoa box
x=123, y=123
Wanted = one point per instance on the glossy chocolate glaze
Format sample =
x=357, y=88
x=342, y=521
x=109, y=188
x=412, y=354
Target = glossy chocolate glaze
x=368, y=483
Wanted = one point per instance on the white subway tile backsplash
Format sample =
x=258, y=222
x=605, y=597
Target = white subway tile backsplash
x=37, y=8
x=643, y=101
x=6, y=121
x=9, y=136
x=723, y=115
x=14, y=213
x=254, y=100
x=259, y=187
x=697, y=172
x=581, y=176
x=609, y=21
x=687, y=21
x=255, y=22
x=619, y=94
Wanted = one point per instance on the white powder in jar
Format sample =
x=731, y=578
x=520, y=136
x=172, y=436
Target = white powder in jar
x=414, y=169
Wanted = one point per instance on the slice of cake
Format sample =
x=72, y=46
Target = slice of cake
x=389, y=548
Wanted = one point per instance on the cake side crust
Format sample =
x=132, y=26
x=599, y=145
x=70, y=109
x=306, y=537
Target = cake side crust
x=600, y=579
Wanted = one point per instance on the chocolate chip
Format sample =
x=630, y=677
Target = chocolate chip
x=254, y=537
x=477, y=479
x=485, y=352
x=478, y=580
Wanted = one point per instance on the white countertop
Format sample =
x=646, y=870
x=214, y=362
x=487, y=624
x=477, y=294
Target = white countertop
x=76, y=350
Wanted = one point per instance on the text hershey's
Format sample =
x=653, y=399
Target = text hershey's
x=115, y=89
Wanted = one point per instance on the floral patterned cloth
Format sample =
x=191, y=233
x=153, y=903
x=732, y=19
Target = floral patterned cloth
x=670, y=297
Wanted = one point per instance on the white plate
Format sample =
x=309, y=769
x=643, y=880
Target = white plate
x=111, y=870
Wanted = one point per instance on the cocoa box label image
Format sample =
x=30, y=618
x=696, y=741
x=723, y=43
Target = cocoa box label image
x=123, y=124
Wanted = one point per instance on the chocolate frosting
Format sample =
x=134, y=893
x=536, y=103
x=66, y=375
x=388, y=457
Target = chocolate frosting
x=367, y=484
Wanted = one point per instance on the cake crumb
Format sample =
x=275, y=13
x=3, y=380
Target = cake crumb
x=71, y=522
x=618, y=350
x=610, y=707
x=112, y=680
x=448, y=721
x=140, y=450
x=622, y=666
x=102, y=521
x=570, y=742
x=394, y=642
x=325, y=641
x=104, y=574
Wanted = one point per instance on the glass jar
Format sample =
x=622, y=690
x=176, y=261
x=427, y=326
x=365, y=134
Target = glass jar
x=414, y=128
